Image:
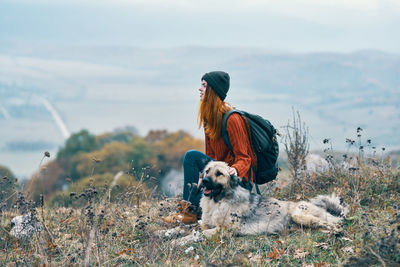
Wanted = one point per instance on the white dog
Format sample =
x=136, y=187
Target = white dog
x=227, y=205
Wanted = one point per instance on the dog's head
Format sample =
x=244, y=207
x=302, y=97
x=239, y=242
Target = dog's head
x=216, y=180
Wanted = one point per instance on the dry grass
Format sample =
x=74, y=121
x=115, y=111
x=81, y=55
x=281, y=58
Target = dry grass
x=103, y=233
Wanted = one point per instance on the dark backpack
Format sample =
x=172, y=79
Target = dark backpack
x=263, y=141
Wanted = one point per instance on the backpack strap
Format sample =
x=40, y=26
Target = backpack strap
x=224, y=131
x=255, y=179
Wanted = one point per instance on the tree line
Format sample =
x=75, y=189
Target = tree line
x=89, y=159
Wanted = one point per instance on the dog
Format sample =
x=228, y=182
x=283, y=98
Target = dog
x=227, y=205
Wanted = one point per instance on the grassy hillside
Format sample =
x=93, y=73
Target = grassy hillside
x=112, y=228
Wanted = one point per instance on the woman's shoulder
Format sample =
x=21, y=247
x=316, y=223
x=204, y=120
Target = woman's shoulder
x=235, y=119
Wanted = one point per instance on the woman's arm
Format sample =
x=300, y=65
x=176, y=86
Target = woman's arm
x=240, y=142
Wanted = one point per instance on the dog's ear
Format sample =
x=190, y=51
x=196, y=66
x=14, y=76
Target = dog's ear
x=205, y=161
x=234, y=181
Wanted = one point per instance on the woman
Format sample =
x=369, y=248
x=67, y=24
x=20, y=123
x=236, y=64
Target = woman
x=213, y=90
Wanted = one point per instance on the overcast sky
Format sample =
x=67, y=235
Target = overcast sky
x=281, y=25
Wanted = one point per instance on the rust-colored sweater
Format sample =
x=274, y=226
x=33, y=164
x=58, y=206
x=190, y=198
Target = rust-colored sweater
x=238, y=136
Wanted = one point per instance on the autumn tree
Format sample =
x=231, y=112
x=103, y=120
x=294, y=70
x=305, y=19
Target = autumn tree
x=82, y=141
x=46, y=181
x=86, y=156
x=117, y=136
x=170, y=148
x=110, y=158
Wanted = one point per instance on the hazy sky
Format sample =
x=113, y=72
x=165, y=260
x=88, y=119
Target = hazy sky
x=281, y=25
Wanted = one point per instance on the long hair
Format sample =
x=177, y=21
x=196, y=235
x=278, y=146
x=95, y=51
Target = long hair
x=210, y=113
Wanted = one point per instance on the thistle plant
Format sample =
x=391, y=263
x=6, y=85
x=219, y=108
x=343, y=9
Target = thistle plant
x=296, y=147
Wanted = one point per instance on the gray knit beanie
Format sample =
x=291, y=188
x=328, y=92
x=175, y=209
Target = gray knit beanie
x=218, y=81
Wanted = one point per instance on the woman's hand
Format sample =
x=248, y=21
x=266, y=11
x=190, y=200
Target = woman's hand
x=199, y=182
x=232, y=171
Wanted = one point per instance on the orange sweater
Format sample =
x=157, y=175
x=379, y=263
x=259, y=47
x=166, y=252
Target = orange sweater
x=238, y=136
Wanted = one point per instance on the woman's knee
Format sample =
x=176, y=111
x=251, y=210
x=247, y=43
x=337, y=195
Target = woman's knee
x=190, y=156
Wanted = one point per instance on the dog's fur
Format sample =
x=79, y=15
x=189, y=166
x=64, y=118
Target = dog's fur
x=227, y=205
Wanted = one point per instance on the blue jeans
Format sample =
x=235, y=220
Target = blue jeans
x=194, y=163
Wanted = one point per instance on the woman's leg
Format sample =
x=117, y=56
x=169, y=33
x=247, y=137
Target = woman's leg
x=193, y=163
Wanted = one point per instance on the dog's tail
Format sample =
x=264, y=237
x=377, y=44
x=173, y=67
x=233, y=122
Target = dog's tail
x=333, y=204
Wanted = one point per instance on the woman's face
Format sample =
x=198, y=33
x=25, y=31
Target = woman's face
x=202, y=89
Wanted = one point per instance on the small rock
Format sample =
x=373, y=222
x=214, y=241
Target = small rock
x=24, y=226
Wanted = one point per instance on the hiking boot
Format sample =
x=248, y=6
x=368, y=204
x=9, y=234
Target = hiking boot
x=186, y=214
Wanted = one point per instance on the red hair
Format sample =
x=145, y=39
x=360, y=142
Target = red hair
x=210, y=114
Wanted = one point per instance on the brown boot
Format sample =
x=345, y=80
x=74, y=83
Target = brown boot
x=183, y=215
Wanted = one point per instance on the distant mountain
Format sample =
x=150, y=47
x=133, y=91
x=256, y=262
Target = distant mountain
x=102, y=88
